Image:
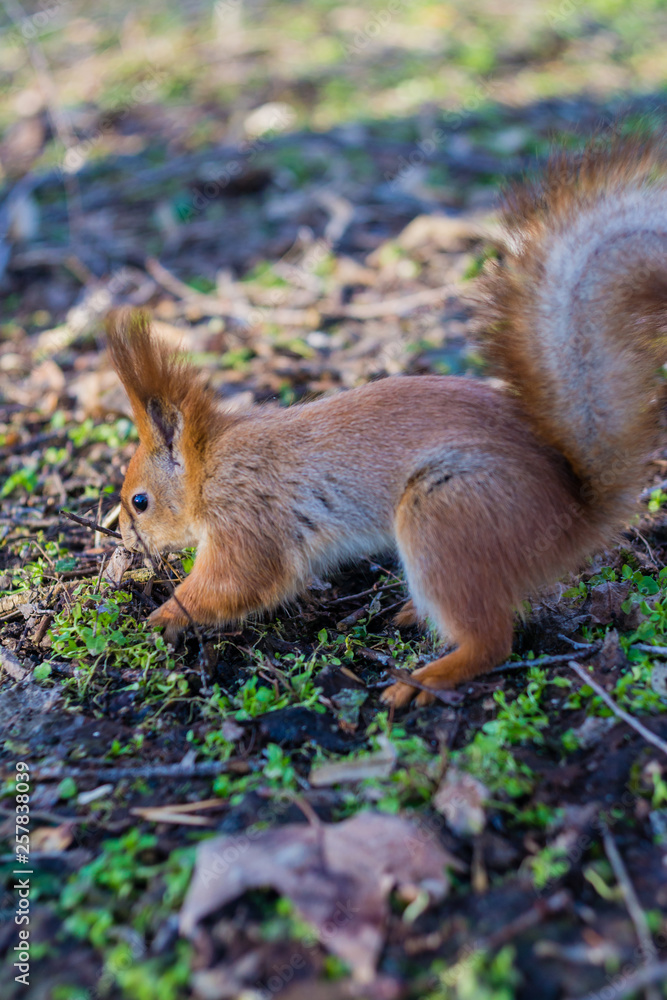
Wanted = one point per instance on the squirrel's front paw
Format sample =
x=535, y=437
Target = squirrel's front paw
x=171, y=617
x=399, y=695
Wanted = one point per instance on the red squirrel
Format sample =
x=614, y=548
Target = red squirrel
x=486, y=494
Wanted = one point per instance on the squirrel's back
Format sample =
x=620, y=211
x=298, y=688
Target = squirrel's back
x=576, y=311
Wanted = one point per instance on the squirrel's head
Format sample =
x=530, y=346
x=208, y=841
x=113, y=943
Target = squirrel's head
x=175, y=414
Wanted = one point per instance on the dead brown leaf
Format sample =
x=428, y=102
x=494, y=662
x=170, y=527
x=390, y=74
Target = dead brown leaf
x=605, y=602
x=52, y=839
x=339, y=876
x=460, y=798
x=10, y=663
x=120, y=561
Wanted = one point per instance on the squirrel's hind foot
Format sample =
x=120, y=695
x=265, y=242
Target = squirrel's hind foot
x=469, y=660
x=407, y=615
x=401, y=694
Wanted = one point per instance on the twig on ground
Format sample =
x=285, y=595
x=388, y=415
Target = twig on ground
x=620, y=712
x=646, y=494
x=651, y=556
x=88, y=522
x=400, y=306
x=179, y=813
x=375, y=589
x=43, y=628
x=446, y=697
x=99, y=575
x=632, y=984
x=633, y=905
x=376, y=657
x=543, y=661
x=144, y=598
x=38, y=441
x=542, y=909
x=204, y=769
x=537, y=913
x=578, y=645
x=245, y=312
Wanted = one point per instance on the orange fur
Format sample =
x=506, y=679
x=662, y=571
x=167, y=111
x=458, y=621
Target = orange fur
x=486, y=494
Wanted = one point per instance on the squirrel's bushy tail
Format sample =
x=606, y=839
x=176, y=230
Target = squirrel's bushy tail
x=576, y=312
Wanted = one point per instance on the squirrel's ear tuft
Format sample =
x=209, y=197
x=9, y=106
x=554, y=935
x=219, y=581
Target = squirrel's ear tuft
x=169, y=397
x=166, y=422
x=144, y=365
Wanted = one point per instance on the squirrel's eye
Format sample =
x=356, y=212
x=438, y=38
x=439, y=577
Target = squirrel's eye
x=140, y=502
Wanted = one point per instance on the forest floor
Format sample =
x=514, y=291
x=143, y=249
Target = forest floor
x=299, y=238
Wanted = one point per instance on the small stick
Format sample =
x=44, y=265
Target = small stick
x=646, y=647
x=34, y=442
x=646, y=976
x=648, y=549
x=204, y=769
x=375, y=589
x=544, y=908
x=43, y=628
x=99, y=575
x=544, y=661
x=537, y=914
x=620, y=712
x=400, y=306
x=578, y=645
x=446, y=697
x=632, y=904
x=88, y=522
x=646, y=494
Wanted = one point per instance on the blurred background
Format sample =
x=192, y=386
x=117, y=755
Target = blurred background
x=295, y=184
x=301, y=193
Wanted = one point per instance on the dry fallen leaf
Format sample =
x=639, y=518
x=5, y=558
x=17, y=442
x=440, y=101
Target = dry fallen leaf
x=52, y=839
x=460, y=799
x=11, y=664
x=606, y=600
x=231, y=730
x=339, y=876
x=120, y=561
x=592, y=730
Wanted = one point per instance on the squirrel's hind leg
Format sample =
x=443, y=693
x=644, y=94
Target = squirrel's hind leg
x=407, y=615
x=458, y=574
